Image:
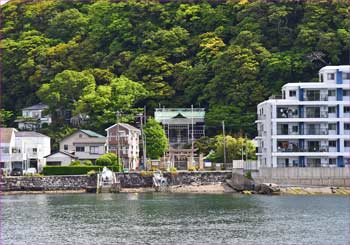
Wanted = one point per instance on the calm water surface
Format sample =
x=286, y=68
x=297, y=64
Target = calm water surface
x=174, y=218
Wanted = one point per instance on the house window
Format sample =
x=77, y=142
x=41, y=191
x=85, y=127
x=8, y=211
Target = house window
x=346, y=92
x=346, y=109
x=330, y=76
x=35, y=150
x=331, y=109
x=347, y=143
x=331, y=92
x=80, y=148
x=5, y=149
x=332, y=143
x=321, y=78
x=65, y=147
x=292, y=93
x=346, y=126
x=93, y=149
x=332, y=126
x=295, y=129
x=346, y=75
x=332, y=161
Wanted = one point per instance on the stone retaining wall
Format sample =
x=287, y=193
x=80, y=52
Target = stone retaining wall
x=127, y=180
x=46, y=183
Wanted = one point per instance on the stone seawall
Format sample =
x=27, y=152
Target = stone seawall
x=46, y=183
x=127, y=180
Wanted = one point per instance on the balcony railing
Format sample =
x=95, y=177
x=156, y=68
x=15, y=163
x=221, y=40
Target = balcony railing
x=316, y=98
x=307, y=149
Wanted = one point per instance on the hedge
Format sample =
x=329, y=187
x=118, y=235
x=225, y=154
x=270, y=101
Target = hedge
x=75, y=170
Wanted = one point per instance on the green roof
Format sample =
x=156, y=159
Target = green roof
x=91, y=133
x=173, y=113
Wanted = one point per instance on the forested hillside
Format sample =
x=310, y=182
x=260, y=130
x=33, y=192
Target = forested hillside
x=97, y=57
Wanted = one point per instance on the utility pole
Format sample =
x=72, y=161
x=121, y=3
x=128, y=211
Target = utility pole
x=143, y=139
x=223, y=133
x=192, y=155
x=118, y=151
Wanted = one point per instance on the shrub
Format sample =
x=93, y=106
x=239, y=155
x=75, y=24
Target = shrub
x=248, y=175
x=91, y=172
x=75, y=170
x=223, y=167
x=146, y=173
x=75, y=163
x=107, y=159
x=173, y=170
x=212, y=168
x=87, y=163
x=154, y=169
x=191, y=169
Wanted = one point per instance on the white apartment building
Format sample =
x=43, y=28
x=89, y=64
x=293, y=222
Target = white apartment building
x=309, y=126
x=23, y=150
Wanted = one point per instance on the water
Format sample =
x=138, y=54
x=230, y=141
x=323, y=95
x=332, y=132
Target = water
x=174, y=218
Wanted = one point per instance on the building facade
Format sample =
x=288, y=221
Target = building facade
x=182, y=127
x=23, y=150
x=126, y=142
x=34, y=117
x=84, y=144
x=309, y=126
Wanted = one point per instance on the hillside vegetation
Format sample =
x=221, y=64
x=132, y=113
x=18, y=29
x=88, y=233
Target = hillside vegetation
x=94, y=58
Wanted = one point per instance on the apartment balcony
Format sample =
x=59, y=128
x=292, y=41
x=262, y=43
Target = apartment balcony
x=316, y=98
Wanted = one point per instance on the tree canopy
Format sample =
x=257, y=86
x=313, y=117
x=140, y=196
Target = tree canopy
x=95, y=57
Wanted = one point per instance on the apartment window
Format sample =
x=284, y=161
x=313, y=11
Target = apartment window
x=330, y=76
x=346, y=92
x=295, y=129
x=292, y=93
x=331, y=109
x=346, y=75
x=80, y=148
x=332, y=161
x=321, y=77
x=332, y=143
x=346, y=126
x=332, y=126
x=347, y=143
x=65, y=147
x=331, y=92
x=5, y=149
x=93, y=149
x=35, y=150
x=346, y=109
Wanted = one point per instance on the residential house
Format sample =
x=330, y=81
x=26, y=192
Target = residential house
x=309, y=126
x=31, y=149
x=183, y=126
x=23, y=150
x=7, y=143
x=84, y=144
x=126, y=142
x=34, y=117
x=60, y=158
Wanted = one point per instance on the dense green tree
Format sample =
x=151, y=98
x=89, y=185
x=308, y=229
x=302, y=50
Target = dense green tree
x=156, y=141
x=108, y=159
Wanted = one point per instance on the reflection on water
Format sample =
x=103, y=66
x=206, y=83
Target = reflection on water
x=174, y=218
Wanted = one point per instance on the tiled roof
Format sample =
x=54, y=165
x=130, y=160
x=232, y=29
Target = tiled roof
x=162, y=114
x=5, y=134
x=91, y=133
x=63, y=152
x=29, y=134
x=39, y=106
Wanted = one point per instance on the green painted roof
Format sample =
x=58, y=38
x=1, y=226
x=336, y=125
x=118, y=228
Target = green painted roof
x=91, y=133
x=178, y=113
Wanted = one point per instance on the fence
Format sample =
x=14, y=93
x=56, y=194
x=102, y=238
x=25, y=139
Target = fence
x=245, y=165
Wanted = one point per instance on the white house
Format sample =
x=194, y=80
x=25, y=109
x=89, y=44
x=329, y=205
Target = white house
x=23, y=150
x=31, y=149
x=310, y=125
x=34, y=117
x=7, y=143
x=126, y=142
x=84, y=144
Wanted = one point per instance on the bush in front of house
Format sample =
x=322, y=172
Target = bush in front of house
x=76, y=170
x=75, y=163
x=191, y=169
